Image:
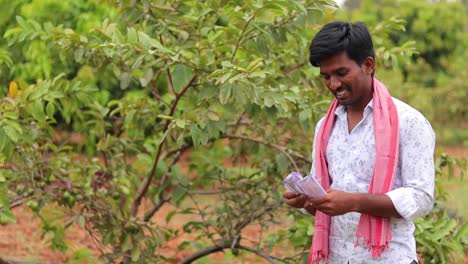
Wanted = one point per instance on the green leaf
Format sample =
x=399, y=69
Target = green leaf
x=212, y=116
x=127, y=243
x=132, y=35
x=8, y=216
x=136, y=252
x=180, y=123
x=145, y=40
x=178, y=194
x=21, y=22
x=148, y=76
x=129, y=118
x=11, y=133
x=195, y=132
x=3, y=139
x=125, y=80
x=183, y=245
x=225, y=93
x=170, y=215
x=462, y=232
x=50, y=110
x=36, y=109
x=81, y=254
x=4, y=199
x=79, y=54
x=181, y=76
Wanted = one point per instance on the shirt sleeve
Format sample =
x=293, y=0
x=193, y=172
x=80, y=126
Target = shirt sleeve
x=415, y=197
x=312, y=170
x=319, y=123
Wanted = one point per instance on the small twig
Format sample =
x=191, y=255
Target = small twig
x=94, y=239
x=170, y=85
x=202, y=215
x=287, y=70
x=176, y=150
x=239, y=121
x=106, y=160
x=176, y=102
x=154, y=209
x=242, y=35
x=16, y=203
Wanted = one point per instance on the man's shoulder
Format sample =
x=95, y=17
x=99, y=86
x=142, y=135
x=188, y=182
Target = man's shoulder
x=407, y=113
x=411, y=120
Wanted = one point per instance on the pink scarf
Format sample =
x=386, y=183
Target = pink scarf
x=375, y=232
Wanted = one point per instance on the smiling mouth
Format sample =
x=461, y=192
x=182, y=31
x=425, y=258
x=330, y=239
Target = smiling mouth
x=341, y=92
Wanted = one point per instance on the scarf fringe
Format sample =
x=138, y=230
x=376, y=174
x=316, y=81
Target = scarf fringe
x=376, y=250
x=317, y=256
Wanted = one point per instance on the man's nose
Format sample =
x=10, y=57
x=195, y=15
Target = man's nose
x=335, y=83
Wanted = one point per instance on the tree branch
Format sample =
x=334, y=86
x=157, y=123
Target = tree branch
x=143, y=189
x=271, y=145
x=163, y=200
x=224, y=244
x=270, y=258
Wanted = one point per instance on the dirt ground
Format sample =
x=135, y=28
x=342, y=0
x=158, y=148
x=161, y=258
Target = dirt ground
x=22, y=241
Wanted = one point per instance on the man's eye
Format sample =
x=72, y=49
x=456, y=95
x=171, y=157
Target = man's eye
x=342, y=73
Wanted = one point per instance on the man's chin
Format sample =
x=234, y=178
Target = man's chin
x=344, y=102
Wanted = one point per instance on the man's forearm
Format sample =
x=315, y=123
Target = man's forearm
x=374, y=204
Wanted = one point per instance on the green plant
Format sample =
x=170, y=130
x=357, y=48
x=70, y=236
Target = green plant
x=442, y=237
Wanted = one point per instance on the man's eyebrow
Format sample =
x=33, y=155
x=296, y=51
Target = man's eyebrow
x=336, y=70
x=341, y=69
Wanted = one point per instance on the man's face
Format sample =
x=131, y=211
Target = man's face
x=350, y=83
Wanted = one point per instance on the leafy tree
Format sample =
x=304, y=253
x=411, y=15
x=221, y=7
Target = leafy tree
x=204, y=105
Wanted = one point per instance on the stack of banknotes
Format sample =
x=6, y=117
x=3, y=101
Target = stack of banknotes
x=308, y=185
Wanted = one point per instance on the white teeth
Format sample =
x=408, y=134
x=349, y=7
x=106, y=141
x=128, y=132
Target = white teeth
x=341, y=92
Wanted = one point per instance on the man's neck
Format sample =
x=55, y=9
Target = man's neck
x=358, y=109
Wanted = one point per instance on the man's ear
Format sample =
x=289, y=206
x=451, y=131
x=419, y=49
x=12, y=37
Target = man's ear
x=369, y=65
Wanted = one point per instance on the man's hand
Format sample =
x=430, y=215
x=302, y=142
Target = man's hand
x=334, y=202
x=295, y=200
x=298, y=200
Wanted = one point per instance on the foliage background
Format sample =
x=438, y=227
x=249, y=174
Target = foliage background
x=205, y=105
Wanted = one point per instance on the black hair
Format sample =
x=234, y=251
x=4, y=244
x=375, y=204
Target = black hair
x=339, y=36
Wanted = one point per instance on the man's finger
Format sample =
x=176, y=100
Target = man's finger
x=296, y=199
x=319, y=200
x=290, y=195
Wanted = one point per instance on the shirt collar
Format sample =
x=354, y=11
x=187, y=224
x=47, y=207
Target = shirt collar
x=341, y=110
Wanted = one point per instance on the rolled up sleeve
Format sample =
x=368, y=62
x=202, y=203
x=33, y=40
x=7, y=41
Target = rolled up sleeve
x=415, y=197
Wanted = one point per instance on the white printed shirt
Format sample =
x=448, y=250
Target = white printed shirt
x=350, y=158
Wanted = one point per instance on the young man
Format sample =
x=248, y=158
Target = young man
x=372, y=153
